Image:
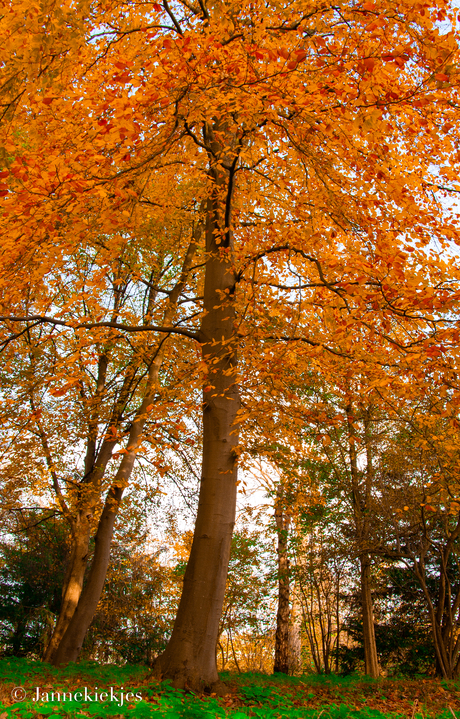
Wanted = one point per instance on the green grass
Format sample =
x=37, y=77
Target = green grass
x=249, y=695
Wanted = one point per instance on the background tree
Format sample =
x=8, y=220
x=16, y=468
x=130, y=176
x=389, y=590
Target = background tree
x=34, y=553
x=246, y=631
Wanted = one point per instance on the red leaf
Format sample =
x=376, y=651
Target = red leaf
x=301, y=55
x=4, y=174
x=442, y=77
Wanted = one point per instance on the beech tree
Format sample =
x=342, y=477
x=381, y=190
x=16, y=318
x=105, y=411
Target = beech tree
x=98, y=391
x=290, y=122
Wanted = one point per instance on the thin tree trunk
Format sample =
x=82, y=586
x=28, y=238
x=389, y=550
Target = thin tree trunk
x=80, y=532
x=309, y=625
x=219, y=645
x=371, y=662
x=338, y=624
x=233, y=651
x=282, y=648
x=361, y=508
x=190, y=657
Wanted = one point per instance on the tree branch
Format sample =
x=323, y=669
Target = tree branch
x=45, y=319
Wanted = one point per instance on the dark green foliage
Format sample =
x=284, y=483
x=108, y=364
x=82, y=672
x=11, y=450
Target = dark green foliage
x=402, y=627
x=32, y=567
x=404, y=635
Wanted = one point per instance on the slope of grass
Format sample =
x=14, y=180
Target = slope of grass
x=39, y=692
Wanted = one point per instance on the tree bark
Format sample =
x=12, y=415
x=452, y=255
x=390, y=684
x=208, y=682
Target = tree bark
x=89, y=493
x=361, y=508
x=283, y=616
x=189, y=660
x=71, y=643
x=371, y=662
x=72, y=587
x=80, y=527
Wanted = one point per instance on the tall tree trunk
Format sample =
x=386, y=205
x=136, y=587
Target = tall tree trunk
x=361, y=508
x=283, y=616
x=73, y=585
x=371, y=662
x=189, y=660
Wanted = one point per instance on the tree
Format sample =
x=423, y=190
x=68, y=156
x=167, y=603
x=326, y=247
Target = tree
x=168, y=87
x=246, y=632
x=322, y=574
x=283, y=616
x=98, y=391
x=419, y=478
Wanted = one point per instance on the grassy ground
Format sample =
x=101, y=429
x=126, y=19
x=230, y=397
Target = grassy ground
x=38, y=690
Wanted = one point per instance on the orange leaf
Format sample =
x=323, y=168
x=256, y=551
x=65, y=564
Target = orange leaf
x=301, y=55
x=369, y=63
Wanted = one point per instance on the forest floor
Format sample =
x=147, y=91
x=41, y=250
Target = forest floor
x=32, y=690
